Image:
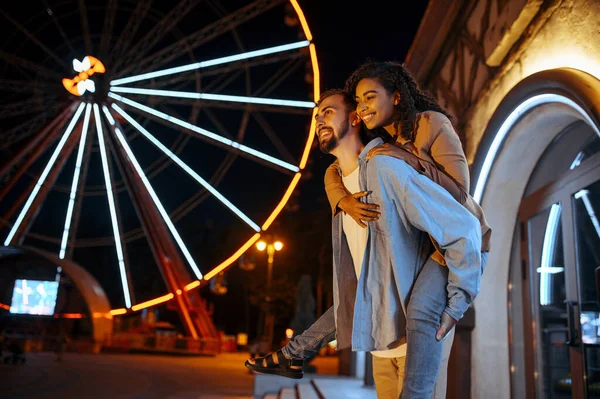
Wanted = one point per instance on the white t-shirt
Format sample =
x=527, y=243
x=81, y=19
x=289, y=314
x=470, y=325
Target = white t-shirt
x=357, y=242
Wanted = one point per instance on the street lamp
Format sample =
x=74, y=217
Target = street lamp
x=271, y=246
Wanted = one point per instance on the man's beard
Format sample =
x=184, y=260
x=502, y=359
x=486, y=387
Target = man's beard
x=334, y=140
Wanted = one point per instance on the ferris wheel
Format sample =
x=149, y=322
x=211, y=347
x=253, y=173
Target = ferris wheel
x=125, y=122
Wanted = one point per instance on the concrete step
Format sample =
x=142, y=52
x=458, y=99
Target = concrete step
x=269, y=384
x=287, y=393
x=347, y=388
x=307, y=391
x=312, y=386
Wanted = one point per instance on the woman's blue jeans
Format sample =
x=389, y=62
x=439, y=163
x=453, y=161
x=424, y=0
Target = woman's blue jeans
x=424, y=352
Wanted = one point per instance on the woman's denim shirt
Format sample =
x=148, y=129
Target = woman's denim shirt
x=370, y=313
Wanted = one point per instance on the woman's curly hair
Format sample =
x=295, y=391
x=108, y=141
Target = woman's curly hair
x=393, y=76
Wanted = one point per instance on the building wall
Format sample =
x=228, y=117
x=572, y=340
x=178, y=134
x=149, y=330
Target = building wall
x=570, y=37
x=464, y=72
x=488, y=48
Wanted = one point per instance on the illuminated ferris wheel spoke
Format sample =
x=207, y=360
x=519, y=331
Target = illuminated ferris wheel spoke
x=65, y=237
x=173, y=67
x=152, y=193
x=187, y=169
x=44, y=174
x=208, y=63
x=206, y=133
x=231, y=67
x=112, y=208
x=215, y=97
x=208, y=32
x=206, y=104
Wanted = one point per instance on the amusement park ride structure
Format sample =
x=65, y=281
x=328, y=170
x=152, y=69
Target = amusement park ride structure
x=100, y=88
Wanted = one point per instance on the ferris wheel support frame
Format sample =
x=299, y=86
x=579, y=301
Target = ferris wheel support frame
x=141, y=61
x=170, y=260
x=133, y=24
x=35, y=153
x=165, y=254
x=46, y=134
x=159, y=30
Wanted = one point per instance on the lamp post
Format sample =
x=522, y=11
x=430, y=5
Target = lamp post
x=271, y=246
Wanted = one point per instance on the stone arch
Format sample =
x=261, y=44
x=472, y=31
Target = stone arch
x=527, y=120
x=89, y=288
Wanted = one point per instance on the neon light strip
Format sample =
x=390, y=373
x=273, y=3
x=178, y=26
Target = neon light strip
x=101, y=315
x=548, y=254
x=311, y=138
x=157, y=202
x=550, y=269
x=584, y=196
x=232, y=258
x=192, y=285
x=283, y=201
x=112, y=208
x=216, y=61
x=187, y=169
x=44, y=174
x=551, y=226
x=577, y=160
x=316, y=73
x=65, y=237
x=302, y=19
x=151, y=302
x=510, y=121
x=108, y=115
x=69, y=316
x=205, y=133
x=214, y=97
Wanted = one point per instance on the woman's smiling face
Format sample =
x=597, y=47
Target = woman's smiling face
x=375, y=105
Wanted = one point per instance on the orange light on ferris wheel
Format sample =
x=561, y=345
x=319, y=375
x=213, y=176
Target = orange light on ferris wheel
x=82, y=82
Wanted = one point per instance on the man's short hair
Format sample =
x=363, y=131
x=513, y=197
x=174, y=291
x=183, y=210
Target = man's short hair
x=346, y=95
x=350, y=103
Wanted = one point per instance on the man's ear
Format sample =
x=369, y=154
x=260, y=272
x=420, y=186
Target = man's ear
x=396, y=98
x=354, y=118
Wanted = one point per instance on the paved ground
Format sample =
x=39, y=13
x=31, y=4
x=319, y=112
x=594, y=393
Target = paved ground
x=111, y=376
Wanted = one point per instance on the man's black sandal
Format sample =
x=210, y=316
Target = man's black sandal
x=290, y=368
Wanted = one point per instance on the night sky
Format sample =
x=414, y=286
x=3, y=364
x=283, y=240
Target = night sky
x=345, y=36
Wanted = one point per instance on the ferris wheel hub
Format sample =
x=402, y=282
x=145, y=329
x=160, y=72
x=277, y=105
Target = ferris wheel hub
x=82, y=83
